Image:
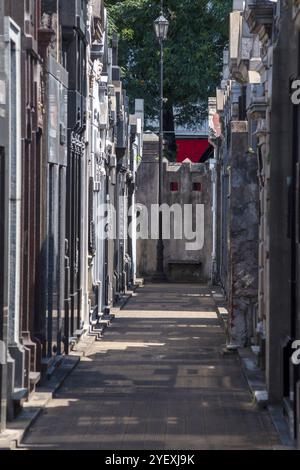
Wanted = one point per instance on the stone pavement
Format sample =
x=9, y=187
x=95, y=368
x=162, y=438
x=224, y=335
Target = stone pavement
x=158, y=380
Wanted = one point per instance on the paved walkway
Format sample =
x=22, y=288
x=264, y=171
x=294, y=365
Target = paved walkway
x=157, y=381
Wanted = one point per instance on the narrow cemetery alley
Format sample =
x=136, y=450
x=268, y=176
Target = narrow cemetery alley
x=149, y=225
x=157, y=380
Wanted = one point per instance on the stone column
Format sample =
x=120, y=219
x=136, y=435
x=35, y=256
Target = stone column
x=3, y=227
x=147, y=194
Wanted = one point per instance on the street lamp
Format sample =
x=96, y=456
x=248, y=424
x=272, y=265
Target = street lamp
x=161, y=26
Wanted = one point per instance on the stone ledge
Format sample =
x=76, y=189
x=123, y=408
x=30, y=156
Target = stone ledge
x=256, y=382
x=254, y=376
x=126, y=297
x=222, y=311
x=259, y=15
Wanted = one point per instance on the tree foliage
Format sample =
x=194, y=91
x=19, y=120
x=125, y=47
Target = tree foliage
x=193, y=52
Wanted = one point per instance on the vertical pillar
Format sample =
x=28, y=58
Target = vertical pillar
x=243, y=234
x=3, y=226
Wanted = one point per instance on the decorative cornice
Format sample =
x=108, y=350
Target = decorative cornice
x=259, y=15
x=257, y=108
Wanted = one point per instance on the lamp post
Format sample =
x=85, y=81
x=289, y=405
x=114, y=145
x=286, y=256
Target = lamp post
x=161, y=26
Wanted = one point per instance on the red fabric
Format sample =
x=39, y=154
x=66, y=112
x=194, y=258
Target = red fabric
x=197, y=187
x=193, y=149
x=174, y=187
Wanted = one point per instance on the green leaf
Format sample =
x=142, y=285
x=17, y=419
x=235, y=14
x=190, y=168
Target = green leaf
x=197, y=36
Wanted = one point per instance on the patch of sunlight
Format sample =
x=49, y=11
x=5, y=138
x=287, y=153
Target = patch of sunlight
x=179, y=339
x=172, y=420
x=198, y=369
x=163, y=315
x=108, y=421
x=196, y=295
x=37, y=398
x=38, y=446
x=144, y=333
x=130, y=420
x=118, y=383
x=61, y=403
x=223, y=311
x=111, y=421
x=198, y=326
x=123, y=345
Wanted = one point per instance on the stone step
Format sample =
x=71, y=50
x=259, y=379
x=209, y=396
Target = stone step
x=256, y=350
x=34, y=378
x=53, y=365
x=19, y=395
x=261, y=398
x=80, y=332
x=97, y=332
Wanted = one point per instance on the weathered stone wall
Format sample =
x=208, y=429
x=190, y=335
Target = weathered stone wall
x=147, y=194
x=194, y=187
x=254, y=98
x=242, y=234
x=182, y=264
